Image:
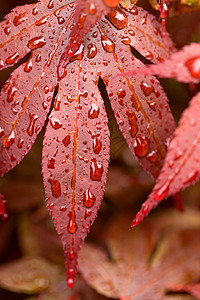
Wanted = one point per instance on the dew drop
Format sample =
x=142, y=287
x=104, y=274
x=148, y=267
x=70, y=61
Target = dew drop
x=148, y=55
x=35, y=11
x=63, y=208
x=51, y=163
x=7, y=30
x=36, y=42
x=92, y=9
x=131, y=32
x=92, y=50
x=1, y=63
x=1, y=132
x=66, y=141
x=29, y=65
x=121, y=93
x=11, y=59
x=9, y=139
x=126, y=40
x=96, y=170
x=20, y=143
x=11, y=93
x=50, y=4
x=107, y=44
x=93, y=112
x=33, y=118
x=146, y=88
x=161, y=193
x=88, y=198
x=38, y=58
x=55, y=123
x=191, y=177
x=46, y=89
x=55, y=188
x=51, y=205
x=61, y=20
x=153, y=156
x=72, y=226
x=97, y=145
x=88, y=213
x=132, y=123
x=118, y=18
x=193, y=65
x=141, y=146
x=70, y=282
x=57, y=103
x=19, y=19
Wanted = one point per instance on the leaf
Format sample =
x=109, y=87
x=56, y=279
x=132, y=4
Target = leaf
x=138, y=265
x=182, y=165
x=76, y=143
x=183, y=65
x=28, y=275
x=86, y=14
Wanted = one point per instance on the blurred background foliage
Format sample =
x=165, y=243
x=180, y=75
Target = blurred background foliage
x=29, y=245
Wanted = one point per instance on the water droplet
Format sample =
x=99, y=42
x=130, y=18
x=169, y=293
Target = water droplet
x=118, y=18
x=92, y=9
x=141, y=146
x=126, y=40
x=19, y=19
x=193, y=65
x=51, y=205
x=63, y=208
x=121, y=93
x=33, y=118
x=93, y=112
x=38, y=58
x=35, y=11
x=71, y=255
x=55, y=123
x=88, y=198
x=134, y=11
x=1, y=63
x=96, y=170
x=46, y=89
x=148, y=55
x=66, y=141
x=61, y=20
x=9, y=139
x=161, y=193
x=1, y=132
x=131, y=32
x=72, y=226
x=146, y=88
x=97, y=145
x=107, y=44
x=11, y=59
x=88, y=213
x=51, y=163
x=7, y=30
x=36, y=42
x=70, y=282
x=191, y=177
x=29, y=65
x=20, y=143
x=145, y=209
x=50, y=4
x=11, y=93
x=92, y=50
x=55, y=187
x=132, y=123
x=57, y=103
x=153, y=156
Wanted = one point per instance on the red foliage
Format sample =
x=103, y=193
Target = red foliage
x=76, y=144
